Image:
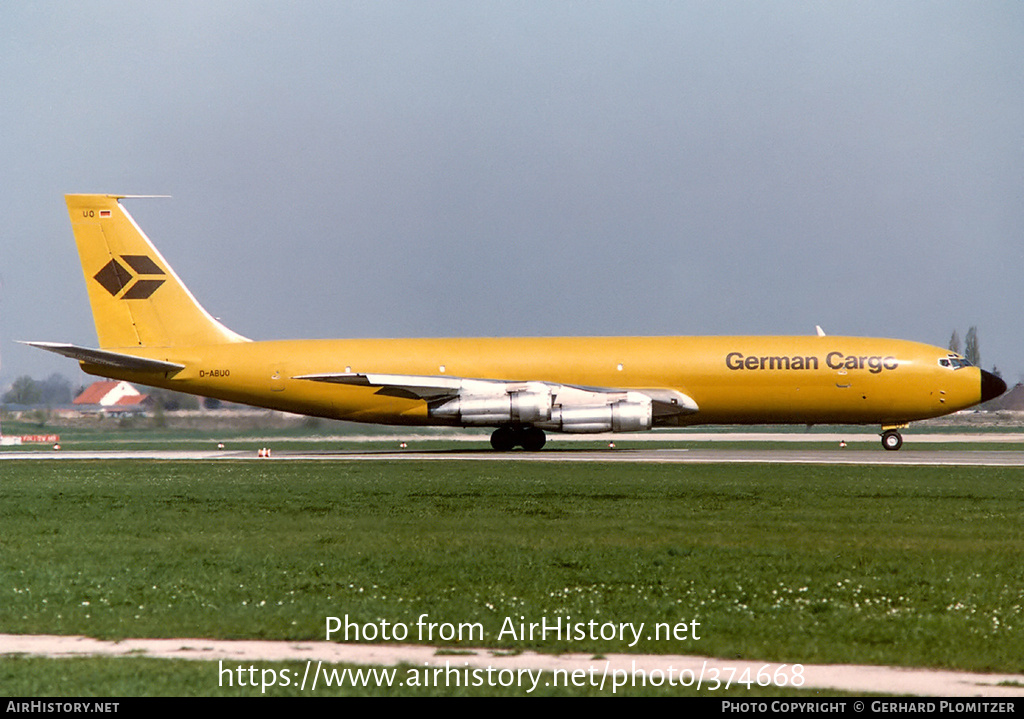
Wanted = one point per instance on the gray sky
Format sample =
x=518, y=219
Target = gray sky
x=389, y=169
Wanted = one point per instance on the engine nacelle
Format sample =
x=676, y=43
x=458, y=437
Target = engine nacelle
x=558, y=408
x=627, y=415
x=529, y=406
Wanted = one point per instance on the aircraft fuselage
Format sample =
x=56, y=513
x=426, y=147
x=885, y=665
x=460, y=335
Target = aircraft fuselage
x=733, y=380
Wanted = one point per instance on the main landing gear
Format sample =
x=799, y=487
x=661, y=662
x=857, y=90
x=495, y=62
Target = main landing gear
x=892, y=440
x=508, y=437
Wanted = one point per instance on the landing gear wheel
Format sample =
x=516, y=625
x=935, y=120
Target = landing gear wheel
x=503, y=439
x=532, y=439
x=892, y=440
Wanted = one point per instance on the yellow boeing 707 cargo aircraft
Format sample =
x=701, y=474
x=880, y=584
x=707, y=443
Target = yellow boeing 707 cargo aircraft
x=153, y=331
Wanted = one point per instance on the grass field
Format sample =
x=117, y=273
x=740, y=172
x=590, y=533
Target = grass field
x=909, y=566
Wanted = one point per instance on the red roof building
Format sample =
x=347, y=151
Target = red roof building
x=112, y=397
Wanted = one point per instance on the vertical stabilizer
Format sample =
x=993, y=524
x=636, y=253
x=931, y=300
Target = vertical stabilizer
x=137, y=300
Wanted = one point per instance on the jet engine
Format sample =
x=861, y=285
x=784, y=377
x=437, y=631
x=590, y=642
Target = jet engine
x=632, y=414
x=553, y=407
x=527, y=406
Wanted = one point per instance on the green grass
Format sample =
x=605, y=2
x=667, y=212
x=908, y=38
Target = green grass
x=916, y=566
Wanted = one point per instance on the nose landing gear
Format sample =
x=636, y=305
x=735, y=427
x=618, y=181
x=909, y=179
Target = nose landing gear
x=892, y=440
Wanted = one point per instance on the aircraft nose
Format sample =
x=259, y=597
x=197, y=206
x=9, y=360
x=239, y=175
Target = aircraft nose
x=991, y=386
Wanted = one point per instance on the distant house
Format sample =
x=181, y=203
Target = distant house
x=111, y=398
x=1012, y=400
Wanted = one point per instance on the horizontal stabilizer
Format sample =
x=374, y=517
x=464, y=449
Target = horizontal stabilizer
x=107, y=358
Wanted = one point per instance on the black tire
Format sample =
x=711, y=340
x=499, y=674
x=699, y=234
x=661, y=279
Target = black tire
x=892, y=441
x=503, y=439
x=532, y=439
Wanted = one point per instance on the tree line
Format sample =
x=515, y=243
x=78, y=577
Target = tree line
x=53, y=391
x=970, y=350
x=57, y=390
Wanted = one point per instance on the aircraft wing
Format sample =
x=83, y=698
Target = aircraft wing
x=106, y=358
x=549, y=405
x=395, y=385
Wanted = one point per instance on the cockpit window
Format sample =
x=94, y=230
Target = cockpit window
x=954, y=362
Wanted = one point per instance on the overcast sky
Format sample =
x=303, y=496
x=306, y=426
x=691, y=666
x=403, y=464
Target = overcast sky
x=390, y=169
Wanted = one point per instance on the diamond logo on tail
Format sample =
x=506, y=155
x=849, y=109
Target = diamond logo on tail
x=137, y=278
